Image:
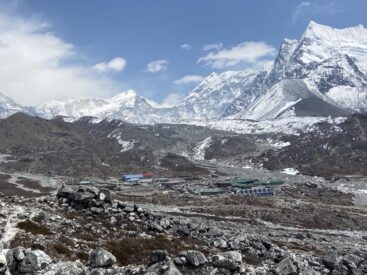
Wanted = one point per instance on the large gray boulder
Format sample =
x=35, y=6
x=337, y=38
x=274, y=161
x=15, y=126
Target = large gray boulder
x=83, y=196
x=19, y=253
x=34, y=261
x=101, y=258
x=195, y=258
x=231, y=260
x=286, y=267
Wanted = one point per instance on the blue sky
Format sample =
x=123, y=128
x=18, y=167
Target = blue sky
x=99, y=48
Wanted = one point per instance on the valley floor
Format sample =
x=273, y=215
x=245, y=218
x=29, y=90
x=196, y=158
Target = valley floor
x=308, y=220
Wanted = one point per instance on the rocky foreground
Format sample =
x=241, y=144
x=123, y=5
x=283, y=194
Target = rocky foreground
x=89, y=230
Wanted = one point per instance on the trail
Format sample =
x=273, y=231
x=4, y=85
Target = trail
x=10, y=228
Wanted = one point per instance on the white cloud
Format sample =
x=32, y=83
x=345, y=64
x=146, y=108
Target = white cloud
x=307, y=9
x=214, y=46
x=189, y=79
x=171, y=100
x=186, y=46
x=157, y=66
x=247, y=52
x=116, y=64
x=36, y=65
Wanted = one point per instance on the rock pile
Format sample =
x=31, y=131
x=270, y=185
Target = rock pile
x=22, y=261
x=219, y=251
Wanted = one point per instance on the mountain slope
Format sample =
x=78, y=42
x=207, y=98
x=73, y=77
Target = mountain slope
x=214, y=95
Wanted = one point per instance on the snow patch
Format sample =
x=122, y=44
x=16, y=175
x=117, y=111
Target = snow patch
x=200, y=149
x=290, y=171
x=126, y=145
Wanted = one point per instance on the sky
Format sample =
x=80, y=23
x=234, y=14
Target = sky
x=162, y=49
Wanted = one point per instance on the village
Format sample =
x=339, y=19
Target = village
x=212, y=185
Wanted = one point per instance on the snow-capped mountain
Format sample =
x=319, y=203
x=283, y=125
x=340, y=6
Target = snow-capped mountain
x=211, y=98
x=9, y=107
x=322, y=74
x=126, y=106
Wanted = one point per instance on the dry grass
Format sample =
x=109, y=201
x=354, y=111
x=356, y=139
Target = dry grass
x=62, y=249
x=34, y=228
x=132, y=250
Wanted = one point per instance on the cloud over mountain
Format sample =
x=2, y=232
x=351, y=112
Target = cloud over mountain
x=36, y=65
x=249, y=52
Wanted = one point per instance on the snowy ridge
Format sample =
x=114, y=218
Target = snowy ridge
x=287, y=125
x=322, y=74
x=9, y=107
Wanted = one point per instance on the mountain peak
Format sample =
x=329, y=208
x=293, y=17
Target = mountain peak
x=318, y=31
x=123, y=96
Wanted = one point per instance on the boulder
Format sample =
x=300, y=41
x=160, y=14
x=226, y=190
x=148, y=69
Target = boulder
x=331, y=259
x=172, y=270
x=34, y=261
x=97, y=271
x=101, y=258
x=83, y=196
x=180, y=261
x=220, y=243
x=107, y=194
x=165, y=223
x=351, y=261
x=19, y=253
x=195, y=258
x=65, y=192
x=3, y=264
x=286, y=267
x=231, y=260
x=158, y=256
x=183, y=230
x=163, y=268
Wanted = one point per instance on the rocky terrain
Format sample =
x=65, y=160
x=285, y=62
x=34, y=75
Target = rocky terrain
x=296, y=133
x=131, y=230
x=51, y=224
